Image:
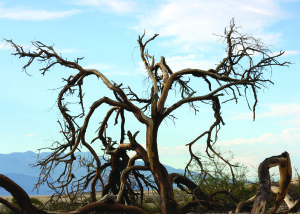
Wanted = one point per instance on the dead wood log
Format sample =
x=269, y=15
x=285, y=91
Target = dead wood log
x=285, y=170
x=194, y=188
x=26, y=206
x=260, y=200
x=274, y=189
x=10, y=206
x=288, y=200
x=18, y=193
x=243, y=204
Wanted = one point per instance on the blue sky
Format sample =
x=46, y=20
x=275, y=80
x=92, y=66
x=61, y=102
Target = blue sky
x=105, y=33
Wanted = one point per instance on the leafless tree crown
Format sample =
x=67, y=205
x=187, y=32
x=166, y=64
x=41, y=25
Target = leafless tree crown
x=243, y=69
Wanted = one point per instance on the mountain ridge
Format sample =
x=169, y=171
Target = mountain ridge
x=18, y=167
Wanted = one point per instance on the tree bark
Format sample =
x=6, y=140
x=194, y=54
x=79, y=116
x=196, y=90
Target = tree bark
x=194, y=188
x=285, y=169
x=10, y=206
x=288, y=200
x=24, y=201
x=18, y=193
x=160, y=174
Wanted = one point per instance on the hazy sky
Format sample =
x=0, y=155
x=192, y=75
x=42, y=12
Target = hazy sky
x=105, y=33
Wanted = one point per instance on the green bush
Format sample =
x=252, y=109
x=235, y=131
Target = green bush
x=219, y=178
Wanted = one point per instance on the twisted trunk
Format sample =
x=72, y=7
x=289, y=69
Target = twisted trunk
x=160, y=174
x=285, y=169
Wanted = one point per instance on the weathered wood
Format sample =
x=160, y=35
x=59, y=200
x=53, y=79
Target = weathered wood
x=274, y=189
x=10, y=206
x=194, y=188
x=243, y=204
x=24, y=201
x=285, y=169
x=18, y=193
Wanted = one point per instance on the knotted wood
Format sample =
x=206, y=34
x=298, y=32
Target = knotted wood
x=285, y=169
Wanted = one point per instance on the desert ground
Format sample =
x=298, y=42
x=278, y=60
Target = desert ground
x=151, y=198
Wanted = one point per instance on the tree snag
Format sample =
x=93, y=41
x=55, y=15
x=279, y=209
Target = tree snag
x=243, y=69
x=285, y=169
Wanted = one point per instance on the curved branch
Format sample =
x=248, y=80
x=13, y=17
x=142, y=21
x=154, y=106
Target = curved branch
x=243, y=204
x=133, y=159
x=204, y=97
x=124, y=177
x=194, y=188
x=274, y=189
x=10, y=206
x=18, y=193
x=198, y=72
x=263, y=192
x=287, y=199
x=24, y=201
x=103, y=125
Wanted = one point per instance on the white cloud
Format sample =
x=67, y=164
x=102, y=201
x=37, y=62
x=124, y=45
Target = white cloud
x=64, y=51
x=288, y=53
x=191, y=23
x=30, y=135
x=19, y=13
x=250, y=152
x=116, y=6
x=290, y=136
x=288, y=111
x=282, y=110
x=98, y=66
x=191, y=61
x=256, y=10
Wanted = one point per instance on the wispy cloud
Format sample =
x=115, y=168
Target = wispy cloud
x=65, y=51
x=30, y=135
x=290, y=136
x=282, y=110
x=115, y=6
x=285, y=110
x=190, y=24
x=98, y=66
x=20, y=13
x=191, y=61
x=288, y=53
x=246, y=151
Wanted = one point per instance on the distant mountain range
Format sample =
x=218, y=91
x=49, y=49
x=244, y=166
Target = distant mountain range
x=17, y=166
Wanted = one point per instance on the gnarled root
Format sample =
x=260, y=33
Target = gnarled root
x=260, y=199
x=24, y=201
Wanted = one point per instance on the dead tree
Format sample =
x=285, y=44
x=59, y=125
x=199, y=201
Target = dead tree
x=240, y=74
x=27, y=207
x=260, y=199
